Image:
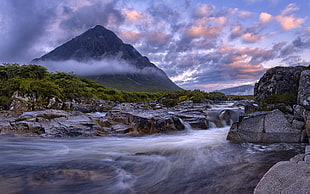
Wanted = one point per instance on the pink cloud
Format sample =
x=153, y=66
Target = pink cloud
x=252, y=38
x=197, y=31
x=133, y=16
x=264, y=18
x=203, y=10
x=130, y=36
x=289, y=22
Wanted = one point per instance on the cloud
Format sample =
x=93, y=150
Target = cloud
x=289, y=22
x=252, y=38
x=130, y=36
x=133, y=16
x=203, y=10
x=244, y=14
x=295, y=60
x=22, y=22
x=265, y=18
x=95, y=67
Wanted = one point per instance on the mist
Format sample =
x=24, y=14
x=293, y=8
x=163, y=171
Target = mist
x=95, y=67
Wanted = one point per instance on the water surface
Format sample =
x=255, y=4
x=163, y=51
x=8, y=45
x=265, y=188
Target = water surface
x=193, y=161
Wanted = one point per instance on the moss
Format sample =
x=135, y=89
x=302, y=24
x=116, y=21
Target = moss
x=50, y=116
x=286, y=98
x=21, y=119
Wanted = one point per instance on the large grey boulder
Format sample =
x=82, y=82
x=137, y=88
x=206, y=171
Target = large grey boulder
x=265, y=127
x=303, y=98
x=287, y=176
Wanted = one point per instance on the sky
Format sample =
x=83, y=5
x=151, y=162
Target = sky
x=200, y=44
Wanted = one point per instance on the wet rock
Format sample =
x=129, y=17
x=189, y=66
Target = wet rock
x=196, y=118
x=144, y=121
x=264, y=127
x=304, y=89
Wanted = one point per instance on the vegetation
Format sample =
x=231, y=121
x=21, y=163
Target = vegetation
x=36, y=82
x=197, y=96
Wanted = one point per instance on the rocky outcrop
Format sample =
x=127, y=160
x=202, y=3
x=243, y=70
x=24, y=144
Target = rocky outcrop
x=287, y=176
x=278, y=81
x=303, y=98
x=142, y=121
x=283, y=88
x=50, y=123
x=267, y=127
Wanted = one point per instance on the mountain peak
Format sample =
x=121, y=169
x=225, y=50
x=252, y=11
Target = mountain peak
x=99, y=43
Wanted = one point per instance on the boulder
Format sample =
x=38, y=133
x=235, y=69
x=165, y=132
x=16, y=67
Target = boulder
x=196, y=118
x=303, y=98
x=265, y=127
x=287, y=176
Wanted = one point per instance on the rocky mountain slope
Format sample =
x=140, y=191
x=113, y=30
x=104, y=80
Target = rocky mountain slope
x=97, y=44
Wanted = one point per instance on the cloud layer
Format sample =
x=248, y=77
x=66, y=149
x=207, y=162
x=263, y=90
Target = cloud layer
x=199, y=45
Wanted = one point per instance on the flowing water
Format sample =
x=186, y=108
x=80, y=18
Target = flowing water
x=192, y=161
x=199, y=161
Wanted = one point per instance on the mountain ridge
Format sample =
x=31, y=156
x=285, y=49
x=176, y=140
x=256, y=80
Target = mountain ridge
x=100, y=43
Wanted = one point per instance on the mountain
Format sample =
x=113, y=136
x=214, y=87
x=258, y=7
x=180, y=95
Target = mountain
x=99, y=43
x=239, y=90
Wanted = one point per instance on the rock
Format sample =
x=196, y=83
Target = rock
x=304, y=89
x=287, y=176
x=264, y=127
x=277, y=81
x=144, y=121
x=52, y=123
x=308, y=128
x=196, y=118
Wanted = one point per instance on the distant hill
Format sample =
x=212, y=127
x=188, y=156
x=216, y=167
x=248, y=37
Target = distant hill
x=118, y=65
x=239, y=90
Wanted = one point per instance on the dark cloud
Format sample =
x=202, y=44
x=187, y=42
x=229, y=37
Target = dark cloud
x=295, y=60
x=25, y=21
x=100, y=12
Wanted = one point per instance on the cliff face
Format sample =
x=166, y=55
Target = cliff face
x=278, y=81
x=99, y=43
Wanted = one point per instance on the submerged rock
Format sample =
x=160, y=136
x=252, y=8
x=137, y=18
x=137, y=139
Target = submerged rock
x=265, y=127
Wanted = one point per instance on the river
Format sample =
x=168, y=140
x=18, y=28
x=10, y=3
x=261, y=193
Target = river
x=193, y=161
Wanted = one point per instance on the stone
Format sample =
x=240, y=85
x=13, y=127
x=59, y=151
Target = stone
x=285, y=177
x=144, y=121
x=264, y=127
x=52, y=123
x=298, y=124
x=308, y=128
x=277, y=81
x=303, y=97
x=307, y=150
